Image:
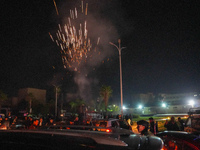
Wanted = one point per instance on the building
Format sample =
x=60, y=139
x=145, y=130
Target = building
x=173, y=103
x=177, y=99
x=142, y=98
x=38, y=94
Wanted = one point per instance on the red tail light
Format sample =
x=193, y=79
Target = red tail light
x=108, y=130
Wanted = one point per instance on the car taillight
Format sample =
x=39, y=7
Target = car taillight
x=108, y=130
x=164, y=148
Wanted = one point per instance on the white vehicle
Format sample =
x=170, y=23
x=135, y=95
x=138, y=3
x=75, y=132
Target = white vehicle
x=116, y=125
x=192, y=123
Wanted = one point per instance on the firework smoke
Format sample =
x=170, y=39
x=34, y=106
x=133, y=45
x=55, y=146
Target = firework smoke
x=82, y=38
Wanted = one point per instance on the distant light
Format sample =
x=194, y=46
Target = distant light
x=164, y=105
x=191, y=102
x=113, y=105
x=124, y=107
x=140, y=106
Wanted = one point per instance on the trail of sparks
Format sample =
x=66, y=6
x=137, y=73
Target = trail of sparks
x=75, y=46
x=56, y=7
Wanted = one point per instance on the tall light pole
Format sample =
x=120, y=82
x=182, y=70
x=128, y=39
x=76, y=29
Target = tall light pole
x=56, y=100
x=120, y=65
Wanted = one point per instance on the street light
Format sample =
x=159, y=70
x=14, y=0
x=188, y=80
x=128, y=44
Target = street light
x=124, y=107
x=140, y=106
x=120, y=64
x=164, y=105
x=56, y=101
x=191, y=102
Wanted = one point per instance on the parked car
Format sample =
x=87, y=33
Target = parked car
x=116, y=125
x=59, y=139
x=178, y=140
x=192, y=123
x=112, y=123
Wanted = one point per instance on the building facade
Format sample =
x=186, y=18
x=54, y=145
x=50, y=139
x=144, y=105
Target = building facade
x=38, y=94
x=173, y=103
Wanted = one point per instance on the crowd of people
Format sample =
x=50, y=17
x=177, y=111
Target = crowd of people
x=151, y=127
x=25, y=122
x=144, y=127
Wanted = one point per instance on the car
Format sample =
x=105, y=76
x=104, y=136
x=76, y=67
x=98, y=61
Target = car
x=111, y=122
x=107, y=131
x=116, y=125
x=192, y=123
x=73, y=140
x=179, y=140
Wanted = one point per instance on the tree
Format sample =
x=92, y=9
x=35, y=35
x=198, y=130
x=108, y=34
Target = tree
x=91, y=105
x=105, y=93
x=113, y=108
x=3, y=98
x=29, y=98
x=75, y=105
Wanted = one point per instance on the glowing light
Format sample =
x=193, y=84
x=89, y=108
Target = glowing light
x=140, y=106
x=55, y=7
x=108, y=130
x=191, y=102
x=164, y=105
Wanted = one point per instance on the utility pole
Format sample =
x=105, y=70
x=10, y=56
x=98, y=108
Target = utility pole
x=56, y=99
x=120, y=65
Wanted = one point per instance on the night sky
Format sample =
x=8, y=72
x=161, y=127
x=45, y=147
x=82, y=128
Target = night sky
x=162, y=40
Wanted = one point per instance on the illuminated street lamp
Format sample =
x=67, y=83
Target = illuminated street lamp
x=191, y=102
x=164, y=105
x=124, y=107
x=120, y=64
x=140, y=106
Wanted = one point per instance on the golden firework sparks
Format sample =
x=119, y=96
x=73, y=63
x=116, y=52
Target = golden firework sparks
x=98, y=40
x=51, y=37
x=86, y=8
x=75, y=46
x=82, y=6
x=56, y=7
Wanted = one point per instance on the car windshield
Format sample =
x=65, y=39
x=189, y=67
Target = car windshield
x=103, y=124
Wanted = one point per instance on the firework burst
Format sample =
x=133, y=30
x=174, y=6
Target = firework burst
x=72, y=38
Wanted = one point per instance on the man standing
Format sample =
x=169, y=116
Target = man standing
x=181, y=124
x=153, y=126
x=143, y=127
x=41, y=122
x=171, y=125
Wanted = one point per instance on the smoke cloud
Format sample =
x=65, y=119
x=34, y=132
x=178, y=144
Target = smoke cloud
x=99, y=27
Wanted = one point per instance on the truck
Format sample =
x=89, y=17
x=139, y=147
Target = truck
x=192, y=123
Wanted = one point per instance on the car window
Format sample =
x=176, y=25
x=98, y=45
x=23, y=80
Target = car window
x=196, y=123
x=103, y=124
x=114, y=124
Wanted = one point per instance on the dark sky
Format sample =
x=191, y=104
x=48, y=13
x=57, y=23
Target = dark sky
x=162, y=40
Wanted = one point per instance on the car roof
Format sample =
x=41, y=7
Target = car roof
x=110, y=119
x=98, y=138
